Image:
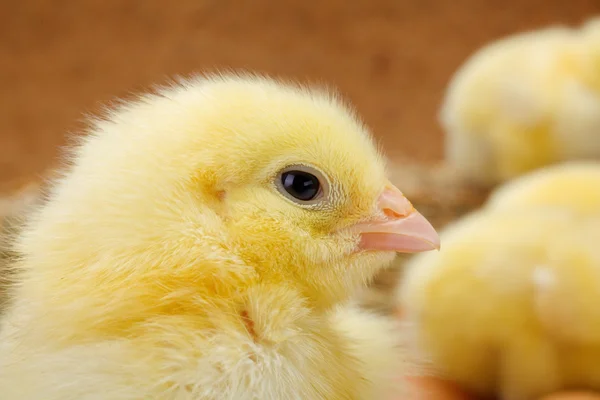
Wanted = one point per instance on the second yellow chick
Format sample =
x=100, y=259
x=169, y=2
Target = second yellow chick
x=509, y=307
x=525, y=101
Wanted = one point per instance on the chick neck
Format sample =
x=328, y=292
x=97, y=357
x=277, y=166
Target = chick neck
x=311, y=298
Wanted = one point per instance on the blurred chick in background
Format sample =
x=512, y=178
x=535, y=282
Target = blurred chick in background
x=509, y=307
x=574, y=185
x=205, y=244
x=525, y=101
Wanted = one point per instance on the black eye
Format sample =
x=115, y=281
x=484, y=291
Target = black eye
x=300, y=185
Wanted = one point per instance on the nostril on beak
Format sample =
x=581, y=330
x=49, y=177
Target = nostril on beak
x=393, y=204
x=388, y=212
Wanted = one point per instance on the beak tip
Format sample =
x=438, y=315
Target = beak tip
x=435, y=245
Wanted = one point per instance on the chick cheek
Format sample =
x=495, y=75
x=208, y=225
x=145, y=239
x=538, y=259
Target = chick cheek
x=403, y=230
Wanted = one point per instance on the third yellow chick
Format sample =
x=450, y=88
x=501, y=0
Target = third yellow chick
x=509, y=306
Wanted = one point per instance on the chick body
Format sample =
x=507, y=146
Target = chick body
x=509, y=305
x=525, y=101
x=168, y=262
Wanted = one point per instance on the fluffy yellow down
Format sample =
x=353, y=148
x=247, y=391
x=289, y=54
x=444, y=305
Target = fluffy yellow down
x=573, y=184
x=510, y=305
x=165, y=263
x=525, y=101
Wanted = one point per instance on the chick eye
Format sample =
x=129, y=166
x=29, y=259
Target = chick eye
x=300, y=183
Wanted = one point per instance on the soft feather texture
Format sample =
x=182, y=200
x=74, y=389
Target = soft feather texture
x=165, y=264
x=13, y=208
x=573, y=184
x=525, y=101
x=509, y=307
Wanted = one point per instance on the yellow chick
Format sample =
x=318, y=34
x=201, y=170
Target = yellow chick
x=204, y=244
x=509, y=306
x=525, y=101
x=574, y=185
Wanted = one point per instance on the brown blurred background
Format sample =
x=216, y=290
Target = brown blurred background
x=391, y=58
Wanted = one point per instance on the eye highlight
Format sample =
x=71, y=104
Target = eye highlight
x=301, y=184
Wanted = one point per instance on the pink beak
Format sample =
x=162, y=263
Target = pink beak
x=404, y=229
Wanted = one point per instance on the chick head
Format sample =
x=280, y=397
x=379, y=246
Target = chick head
x=279, y=182
x=572, y=185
